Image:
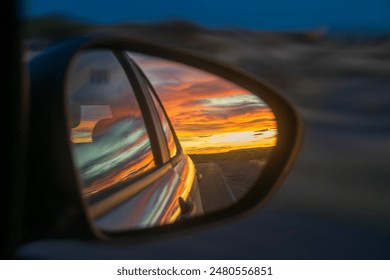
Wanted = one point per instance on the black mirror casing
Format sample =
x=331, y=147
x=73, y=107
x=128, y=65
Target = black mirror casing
x=53, y=206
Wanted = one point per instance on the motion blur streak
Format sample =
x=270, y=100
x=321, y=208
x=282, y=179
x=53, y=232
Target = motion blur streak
x=122, y=153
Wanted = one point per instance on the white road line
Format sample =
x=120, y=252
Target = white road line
x=227, y=185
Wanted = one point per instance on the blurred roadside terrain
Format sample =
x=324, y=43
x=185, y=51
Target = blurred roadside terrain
x=339, y=83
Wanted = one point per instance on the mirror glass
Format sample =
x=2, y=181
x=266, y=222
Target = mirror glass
x=156, y=141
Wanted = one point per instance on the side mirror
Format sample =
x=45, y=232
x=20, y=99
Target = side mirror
x=153, y=140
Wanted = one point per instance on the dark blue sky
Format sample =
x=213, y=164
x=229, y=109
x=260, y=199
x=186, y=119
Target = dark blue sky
x=268, y=15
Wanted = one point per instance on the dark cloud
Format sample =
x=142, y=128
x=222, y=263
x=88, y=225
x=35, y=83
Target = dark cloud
x=207, y=126
x=228, y=112
x=210, y=88
x=199, y=127
x=194, y=102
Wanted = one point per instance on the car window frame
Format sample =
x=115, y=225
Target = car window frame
x=163, y=122
x=152, y=91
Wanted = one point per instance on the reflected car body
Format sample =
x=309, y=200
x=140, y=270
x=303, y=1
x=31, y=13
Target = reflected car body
x=134, y=172
x=158, y=203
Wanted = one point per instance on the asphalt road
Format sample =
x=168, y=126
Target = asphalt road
x=215, y=191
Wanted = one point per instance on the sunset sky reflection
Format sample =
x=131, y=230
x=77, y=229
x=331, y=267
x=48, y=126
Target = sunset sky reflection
x=208, y=113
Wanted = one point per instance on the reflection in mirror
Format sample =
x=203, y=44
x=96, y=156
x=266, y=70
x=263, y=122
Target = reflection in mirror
x=110, y=141
x=155, y=141
x=228, y=132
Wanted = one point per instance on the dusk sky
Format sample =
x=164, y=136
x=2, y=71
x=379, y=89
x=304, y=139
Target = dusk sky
x=335, y=15
x=209, y=114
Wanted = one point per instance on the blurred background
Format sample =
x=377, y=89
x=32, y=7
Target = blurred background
x=329, y=58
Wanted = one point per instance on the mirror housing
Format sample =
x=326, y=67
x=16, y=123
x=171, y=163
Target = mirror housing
x=55, y=197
